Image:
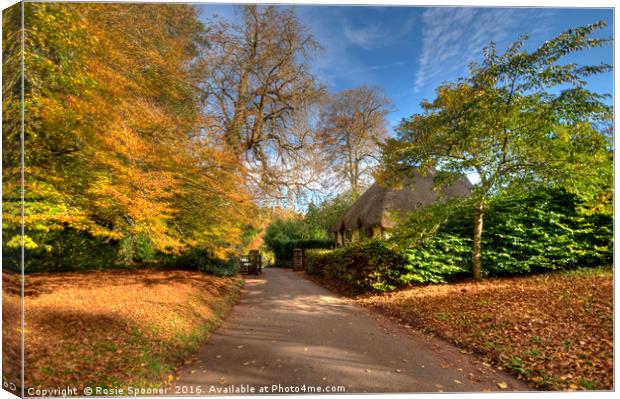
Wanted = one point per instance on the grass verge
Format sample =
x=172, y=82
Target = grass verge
x=117, y=328
x=554, y=331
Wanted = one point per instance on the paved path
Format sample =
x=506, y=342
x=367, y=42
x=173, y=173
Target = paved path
x=289, y=331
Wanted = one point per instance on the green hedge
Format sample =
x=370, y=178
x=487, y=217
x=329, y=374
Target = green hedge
x=283, y=249
x=377, y=265
x=365, y=266
x=538, y=231
x=535, y=232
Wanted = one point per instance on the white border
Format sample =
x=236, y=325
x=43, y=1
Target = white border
x=475, y=3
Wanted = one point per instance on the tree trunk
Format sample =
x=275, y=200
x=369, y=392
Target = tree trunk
x=476, y=255
x=355, y=188
x=234, y=130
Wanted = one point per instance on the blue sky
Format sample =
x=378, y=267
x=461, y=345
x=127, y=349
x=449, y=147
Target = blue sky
x=409, y=51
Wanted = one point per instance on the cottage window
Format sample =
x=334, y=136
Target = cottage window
x=368, y=232
x=348, y=235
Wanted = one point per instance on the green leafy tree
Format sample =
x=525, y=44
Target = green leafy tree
x=315, y=224
x=519, y=118
x=284, y=229
x=320, y=219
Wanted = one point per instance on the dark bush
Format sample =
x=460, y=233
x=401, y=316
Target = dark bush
x=61, y=250
x=136, y=248
x=203, y=260
x=70, y=250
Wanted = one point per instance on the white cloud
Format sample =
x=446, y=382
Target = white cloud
x=366, y=37
x=335, y=59
x=377, y=34
x=338, y=62
x=454, y=37
x=364, y=70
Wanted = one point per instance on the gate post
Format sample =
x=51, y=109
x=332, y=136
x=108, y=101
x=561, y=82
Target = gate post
x=254, y=261
x=260, y=263
x=298, y=259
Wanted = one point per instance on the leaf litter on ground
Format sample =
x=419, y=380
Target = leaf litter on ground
x=114, y=327
x=553, y=330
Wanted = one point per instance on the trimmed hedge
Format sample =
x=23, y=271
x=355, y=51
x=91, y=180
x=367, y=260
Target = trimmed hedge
x=360, y=267
x=283, y=249
x=538, y=231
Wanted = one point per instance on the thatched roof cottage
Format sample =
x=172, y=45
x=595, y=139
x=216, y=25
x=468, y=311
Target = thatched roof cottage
x=378, y=209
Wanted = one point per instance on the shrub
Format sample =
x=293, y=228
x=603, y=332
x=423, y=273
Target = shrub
x=201, y=259
x=71, y=250
x=447, y=256
x=136, y=248
x=59, y=251
x=544, y=229
x=366, y=266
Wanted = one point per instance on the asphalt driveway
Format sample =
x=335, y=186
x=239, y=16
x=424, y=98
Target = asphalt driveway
x=290, y=335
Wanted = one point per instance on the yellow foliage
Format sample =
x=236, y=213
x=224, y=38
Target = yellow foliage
x=109, y=103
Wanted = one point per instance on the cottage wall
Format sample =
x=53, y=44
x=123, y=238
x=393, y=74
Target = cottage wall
x=339, y=239
x=355, y=235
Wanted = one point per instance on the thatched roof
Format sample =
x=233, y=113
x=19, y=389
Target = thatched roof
x=373, y=208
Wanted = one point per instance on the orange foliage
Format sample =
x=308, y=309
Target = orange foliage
x=110, y=99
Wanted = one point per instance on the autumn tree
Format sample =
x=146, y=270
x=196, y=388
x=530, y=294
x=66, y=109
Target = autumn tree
x=257, y=82
x=139, y=77
x=352, y=126
x=110, y=100
x=11, y=125
x=55, y=43
x=519, y=119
